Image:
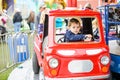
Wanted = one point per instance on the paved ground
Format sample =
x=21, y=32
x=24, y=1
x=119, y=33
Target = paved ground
x=23, y=72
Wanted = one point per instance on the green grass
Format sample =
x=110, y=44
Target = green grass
x=4, y=75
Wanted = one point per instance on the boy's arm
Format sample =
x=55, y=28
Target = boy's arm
x=74, y=37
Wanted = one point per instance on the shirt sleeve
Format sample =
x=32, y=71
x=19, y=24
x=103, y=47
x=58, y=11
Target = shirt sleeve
x=74, y=37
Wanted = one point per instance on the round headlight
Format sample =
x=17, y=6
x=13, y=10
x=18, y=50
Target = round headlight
x=53, y=62
x=105, y=60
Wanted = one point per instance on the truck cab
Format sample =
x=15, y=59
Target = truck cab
x=55, y=59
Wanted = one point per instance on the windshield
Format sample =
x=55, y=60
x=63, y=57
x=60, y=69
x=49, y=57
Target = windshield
x=76, y=29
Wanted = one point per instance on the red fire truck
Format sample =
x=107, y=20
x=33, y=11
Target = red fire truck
x=55, y=59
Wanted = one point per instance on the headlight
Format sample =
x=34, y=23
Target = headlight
x=105, y=60
x=53, y=62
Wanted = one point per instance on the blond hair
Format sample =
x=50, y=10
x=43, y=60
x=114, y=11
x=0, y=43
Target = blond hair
x=50, y=3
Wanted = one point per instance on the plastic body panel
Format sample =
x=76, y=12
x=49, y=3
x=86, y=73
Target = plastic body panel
x=54, y=50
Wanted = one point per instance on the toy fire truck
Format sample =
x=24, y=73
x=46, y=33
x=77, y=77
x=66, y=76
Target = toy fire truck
x=56, y=59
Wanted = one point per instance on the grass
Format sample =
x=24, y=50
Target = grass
x=4, y=75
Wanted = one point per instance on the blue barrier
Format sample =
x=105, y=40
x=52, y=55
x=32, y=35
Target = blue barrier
x=115, y=63
x=18, y=45
x=11, y=47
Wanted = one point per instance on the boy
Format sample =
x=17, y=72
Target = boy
x=74, y=34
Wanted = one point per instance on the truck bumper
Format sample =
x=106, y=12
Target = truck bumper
x=81, y=78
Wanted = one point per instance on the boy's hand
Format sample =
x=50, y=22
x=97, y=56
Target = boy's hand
x=88, y=37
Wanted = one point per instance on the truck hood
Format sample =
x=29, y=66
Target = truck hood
x=75, y=51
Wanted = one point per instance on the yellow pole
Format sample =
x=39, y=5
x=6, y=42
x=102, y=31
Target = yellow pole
x=0, y=5
x=14, y=1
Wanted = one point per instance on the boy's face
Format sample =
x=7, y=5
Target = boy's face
x=75, y=28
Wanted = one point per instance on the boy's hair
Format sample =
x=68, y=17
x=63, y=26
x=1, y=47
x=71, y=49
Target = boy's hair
x=73, y=20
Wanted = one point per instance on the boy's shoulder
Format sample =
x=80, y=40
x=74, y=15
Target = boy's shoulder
x=68, y=32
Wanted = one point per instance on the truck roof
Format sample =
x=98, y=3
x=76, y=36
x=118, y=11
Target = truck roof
x=73, y=12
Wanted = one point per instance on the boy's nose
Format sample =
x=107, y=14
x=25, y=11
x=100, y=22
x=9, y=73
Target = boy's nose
x=76, y=29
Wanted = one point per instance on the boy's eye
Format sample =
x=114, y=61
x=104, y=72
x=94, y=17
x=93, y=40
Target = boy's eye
x=73, y=26
x=76, y=27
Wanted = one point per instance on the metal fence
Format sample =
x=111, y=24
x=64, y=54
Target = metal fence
x=15, y=48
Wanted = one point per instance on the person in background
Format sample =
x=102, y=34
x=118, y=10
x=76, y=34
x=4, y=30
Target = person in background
x=73, y=34
x=17, y=19
x=55, y=4
x=31, y=20
x=60, y=6
x=59, y=24
x=4, y=17
x=88, y=6
x=37, y=21
x=95, y=29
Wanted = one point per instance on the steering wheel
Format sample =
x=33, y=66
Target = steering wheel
x=60, y=40
x=91, y=39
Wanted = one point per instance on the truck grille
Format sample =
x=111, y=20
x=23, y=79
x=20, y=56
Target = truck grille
x=80, y=66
